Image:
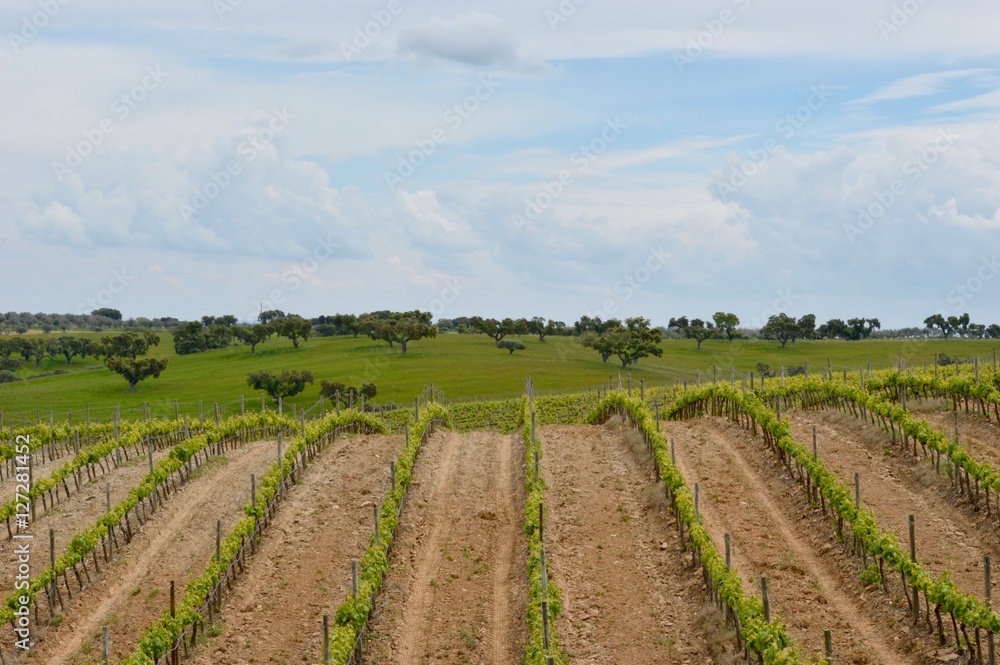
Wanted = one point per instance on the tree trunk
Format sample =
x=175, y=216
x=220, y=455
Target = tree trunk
x=403, y=344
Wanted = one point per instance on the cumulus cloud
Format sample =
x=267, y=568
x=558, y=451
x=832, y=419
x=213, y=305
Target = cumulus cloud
x=243, y=195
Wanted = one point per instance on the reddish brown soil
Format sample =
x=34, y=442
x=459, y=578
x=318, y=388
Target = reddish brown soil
x=978, y=437
x=81, y=511
x=302, y=570
x=457, y=588
x=629, y=594
x=813, y=585
x=175, y=544
x=895, y=485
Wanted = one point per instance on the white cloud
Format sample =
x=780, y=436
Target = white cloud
x=921, y=85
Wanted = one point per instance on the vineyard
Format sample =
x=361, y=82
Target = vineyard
x=830, y=519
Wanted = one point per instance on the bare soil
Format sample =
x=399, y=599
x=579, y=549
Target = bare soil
x=629, y=594
x=302, y=570
x=456, y=590
x=895, y=485
x=813, y=585
x=976, y=436
x=77, y=513
x=174, y=545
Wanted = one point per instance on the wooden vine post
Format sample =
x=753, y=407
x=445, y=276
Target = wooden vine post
x=988, y=571
x=913, y=558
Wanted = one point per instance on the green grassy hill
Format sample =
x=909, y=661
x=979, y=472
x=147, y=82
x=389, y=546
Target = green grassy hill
x=462, y=366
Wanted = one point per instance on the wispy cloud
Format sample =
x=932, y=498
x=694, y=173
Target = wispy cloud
x=922, y=85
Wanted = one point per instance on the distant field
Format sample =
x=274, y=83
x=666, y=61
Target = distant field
x=463, y=366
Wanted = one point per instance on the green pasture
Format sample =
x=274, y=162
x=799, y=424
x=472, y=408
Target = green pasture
x=463, y=366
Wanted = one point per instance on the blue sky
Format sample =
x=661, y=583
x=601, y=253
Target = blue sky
x=503, y=159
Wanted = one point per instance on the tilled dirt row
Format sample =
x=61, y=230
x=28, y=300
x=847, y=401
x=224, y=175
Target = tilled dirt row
x=174, y=545
x=629, y=594
x=79, y=512
x=456, y=590
x=979, y=438
x=895, y=485
x=813, y=585
x=302, y=570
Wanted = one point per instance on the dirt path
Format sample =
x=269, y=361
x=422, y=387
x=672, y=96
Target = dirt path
x=302, y=570
x=456, y=590
x=893, y=486
x=81, y=511
x=175, y=544
x=812, y=586
x=976, y=436
x=629, y=596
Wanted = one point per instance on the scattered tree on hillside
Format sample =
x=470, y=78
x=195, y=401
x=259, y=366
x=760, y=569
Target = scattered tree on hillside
x=135, y=370
x=334, y=391
x=630, y=343
x=293, y=327
x=252, y=335
x=539, y=326
x=194, y=337
x=403, y=331
x=286, y=384
x=861, y=328
x=108, y=313
x=11, y=365
x=499, y=329
x=129, y=344
x=695, y=329
x=511, y=345
x=70, y=347
x=727, y=323
x=270, y=315
x=121, y=353
x=595, y=325
x=781, y=327
x=33, y=349
x=806, y=327
x=600, y=343
x=224, y=320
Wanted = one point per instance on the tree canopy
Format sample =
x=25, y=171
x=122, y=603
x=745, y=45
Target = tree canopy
x=286, y=384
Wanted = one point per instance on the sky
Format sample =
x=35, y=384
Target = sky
x=546, y=158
